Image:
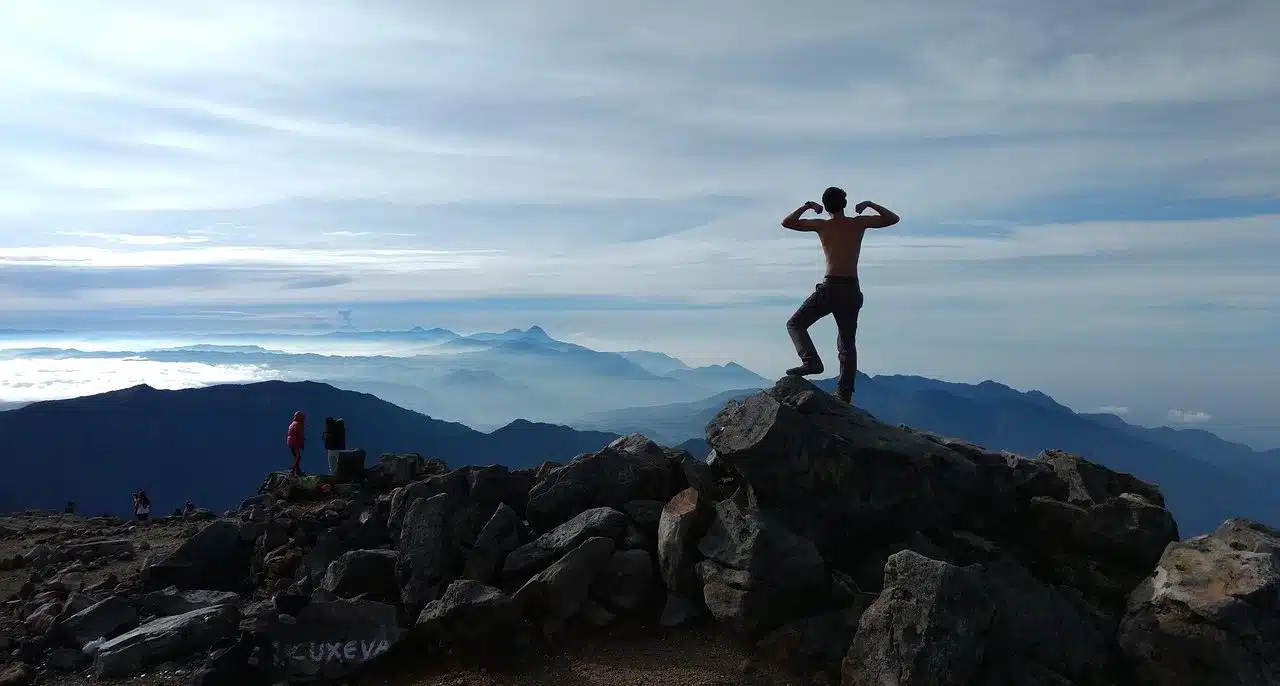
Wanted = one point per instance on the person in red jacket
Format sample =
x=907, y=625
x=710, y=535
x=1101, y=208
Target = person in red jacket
x=296, y=439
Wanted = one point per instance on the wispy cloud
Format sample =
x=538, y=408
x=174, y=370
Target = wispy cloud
x=1189, y=416
x=1113, y=409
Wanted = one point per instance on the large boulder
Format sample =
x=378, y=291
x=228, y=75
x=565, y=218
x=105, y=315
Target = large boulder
x=682, y=524
x=537, y=554
x=1210, y=613
x=329, y=640
x=757, y=573
x=426, y=552
x=371, y=573
x=167, y=638
x=837, y=475
x=106, y=619
x=937, y=623
x=558, y=592
x=630, y=468
x=500, y=535
x=468, y=612
x=456, y=484
x=216, y=558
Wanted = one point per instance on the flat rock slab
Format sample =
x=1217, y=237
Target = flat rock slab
x=167, y=638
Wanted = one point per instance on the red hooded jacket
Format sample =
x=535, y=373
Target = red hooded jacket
x=295, y=438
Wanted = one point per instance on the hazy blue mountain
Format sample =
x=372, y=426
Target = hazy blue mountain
x=215, y=444
x=732, y=375
x=1205, y=445
x=661, y=364
x=1200, y=491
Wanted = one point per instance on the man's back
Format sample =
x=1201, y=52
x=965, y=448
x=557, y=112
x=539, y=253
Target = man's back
x=841, y=239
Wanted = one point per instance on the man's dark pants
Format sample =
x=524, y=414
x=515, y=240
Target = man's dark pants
x=840, y=296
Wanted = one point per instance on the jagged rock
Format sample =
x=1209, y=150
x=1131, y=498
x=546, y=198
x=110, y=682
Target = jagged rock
x=533, y=556
x=1210, y=613
x=645, y=513
x=314, y=563
x=369, y=572
x=171, y=601
x=558, y=592
x=164, y=639
x=682, y=524
x=1090, y=483
x=927, y=626
x=425, y=552
x=757, y=573
x=596, y=615
x=43, y=618
x=937, y=623
x=455, y=484
x=496, y=484
x=630, y=468
x=230, y=665
x=834, y=474
x=468, y=611
x=330, y=640
x=701, y=477
x=106, y=619
x=626, y=582
x=500, y=535
x=216, y=558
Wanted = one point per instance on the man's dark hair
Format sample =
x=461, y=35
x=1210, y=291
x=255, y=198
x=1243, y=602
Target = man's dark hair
x=834, y=199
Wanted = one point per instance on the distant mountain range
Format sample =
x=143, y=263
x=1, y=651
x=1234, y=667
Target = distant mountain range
x=1205, y=478
x=484, y=379
x=215, y=444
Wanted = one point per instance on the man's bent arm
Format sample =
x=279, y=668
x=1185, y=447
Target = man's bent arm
x=795, y=223
x=886, y=216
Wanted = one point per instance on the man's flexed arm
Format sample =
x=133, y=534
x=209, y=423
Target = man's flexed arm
x=886, y=217
x=795, y=223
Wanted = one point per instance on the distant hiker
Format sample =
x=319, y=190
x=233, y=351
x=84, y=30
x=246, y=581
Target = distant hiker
x=839, y=294
x=335, y=440
x=296, y=439
x=70, y=508
x=188, y=509
x=141, y=506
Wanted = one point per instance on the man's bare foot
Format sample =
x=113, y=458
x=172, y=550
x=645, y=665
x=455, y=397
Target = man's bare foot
x=805, y=370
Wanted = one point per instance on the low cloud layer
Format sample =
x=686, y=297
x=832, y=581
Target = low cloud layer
x=27, y=380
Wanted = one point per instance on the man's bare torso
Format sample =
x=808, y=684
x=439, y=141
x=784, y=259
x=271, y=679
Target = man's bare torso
x=841, y=239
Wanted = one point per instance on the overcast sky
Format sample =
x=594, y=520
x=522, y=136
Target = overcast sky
x=1088, y=189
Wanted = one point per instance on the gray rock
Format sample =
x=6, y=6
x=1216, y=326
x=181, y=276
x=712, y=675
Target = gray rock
x=817, y=643
x=630, y=468
x=106, y=619
x=558, y=592
x=937, y=623
x=1210, y=613
x=500, y=535
x=455, y=484
x=928, y=626
x=758, y=574
x=426, y=555
x=679, y=609
x=171, y=601
x=495, y=484
x=835, y=474
x=330, y=640
x=1089, y=483
x=537, y=554
x=645, y=513
x=467, y=612
x=627, y=582
x=167, y=638
x=368, y=572
x=682, y=524
x=216, y=558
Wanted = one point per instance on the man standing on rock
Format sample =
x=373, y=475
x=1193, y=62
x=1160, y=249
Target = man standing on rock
x=839, y=294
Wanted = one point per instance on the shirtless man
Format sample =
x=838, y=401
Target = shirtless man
x=839, y=293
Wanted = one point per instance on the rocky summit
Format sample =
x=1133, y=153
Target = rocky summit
x=831, y=546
